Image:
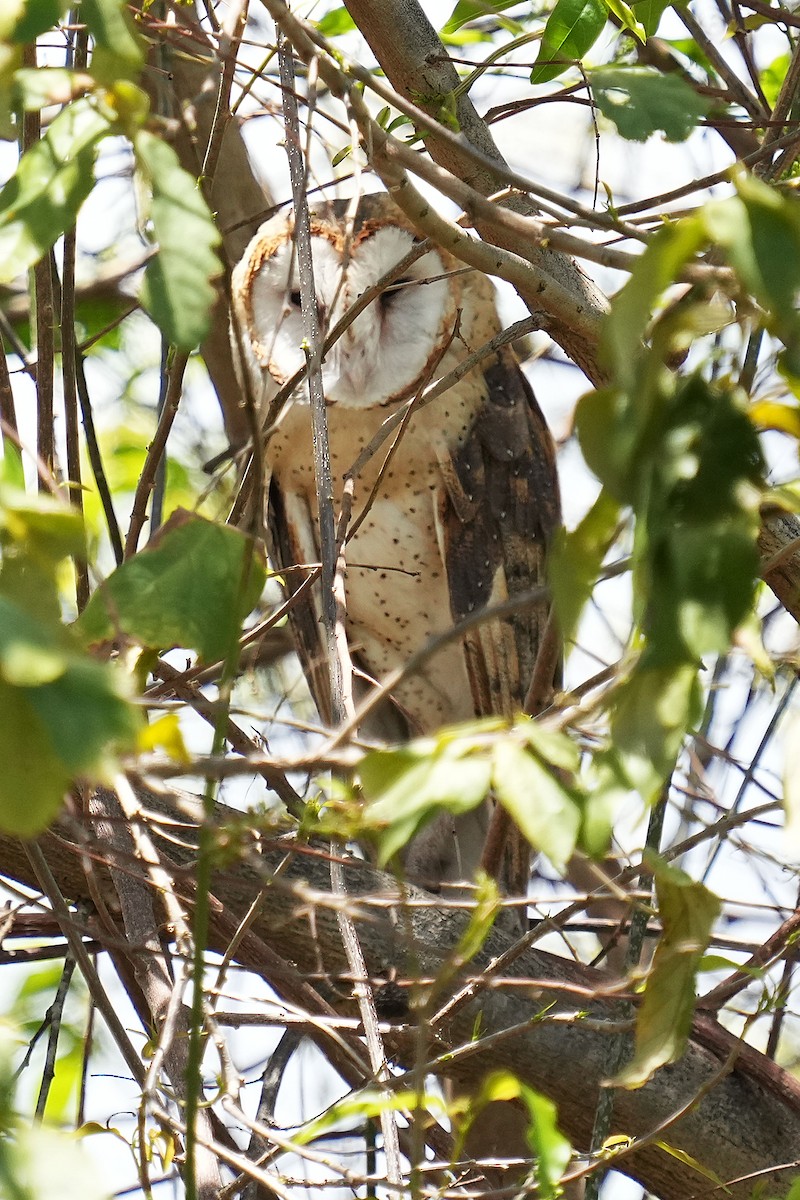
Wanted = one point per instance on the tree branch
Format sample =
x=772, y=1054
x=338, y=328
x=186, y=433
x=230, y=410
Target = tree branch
x=748, y=1122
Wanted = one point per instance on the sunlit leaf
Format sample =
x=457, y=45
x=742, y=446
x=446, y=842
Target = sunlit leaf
x=22, y=21
x=407, y=787
x=335, y=23
x=484, y=907
x=551, y=1149
x=165, y=734
x=542, y=806
x=650, y=12
x=576, y=559
x=53, y=178
x=759, y=231
x=706, y=1172
x=551, y=745
x=42, y=1163
x=368, y=1103
x=628, y=17
x=192, y=588
x=35, y=88
x=606, y=787
x=656, y=269
x=767, y=414
x=118, y=49
x=641, y=101
x=470, y=10
x=51, y=733
x=652, y=712
x=31, y=653
x=772, y=76
x=688, y=911
x=177, y=289
x=571, y=30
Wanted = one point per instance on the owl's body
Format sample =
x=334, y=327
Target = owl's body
x=465, y=506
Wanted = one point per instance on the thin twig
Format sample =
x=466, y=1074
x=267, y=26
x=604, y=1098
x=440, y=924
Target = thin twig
x=97, y=990
x=53, y=1017
x=71, y=405
x=332, y=580
x=96, y=459
x=155, y=452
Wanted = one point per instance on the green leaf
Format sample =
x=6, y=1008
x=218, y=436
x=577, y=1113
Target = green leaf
x=483, y=910
x=335, y=22
x=772, y=77
x=53, y=732
x=22, y=21
x=655, y=270
x=406, y=788
x=368, y=1103
x=606, y=788
x=35, y=88
x=702, y=522
x=118, y=49
x=576, y=559
x=571, y=30
x=547, y=812
x=702, y=588
x=42, y=198
x=688, y=1161
x=36, y=534
x=650, y=12
x=40, y=1163
x=688, y=911
x=641, y=100
x=177, y=289
x=608, y=428
x=550, y=744
x=30, y=652
x=193, y=587
x=627, y=17
x=652, y=712
x=470, y=10
x=759, y=230
x=84, y=714
x=33, y=780
x=551, y=1149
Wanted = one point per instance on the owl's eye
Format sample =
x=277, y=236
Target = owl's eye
x=393, y=292
x=295, y=299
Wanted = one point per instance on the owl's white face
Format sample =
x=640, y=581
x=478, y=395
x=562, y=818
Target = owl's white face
x=383, y=354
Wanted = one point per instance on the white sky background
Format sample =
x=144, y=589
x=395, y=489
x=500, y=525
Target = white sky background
x=556, y=146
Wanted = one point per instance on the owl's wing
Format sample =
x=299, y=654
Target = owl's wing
x=293, y=541
x=497, y=511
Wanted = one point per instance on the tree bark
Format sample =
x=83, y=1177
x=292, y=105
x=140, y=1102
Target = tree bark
x=747, y=1124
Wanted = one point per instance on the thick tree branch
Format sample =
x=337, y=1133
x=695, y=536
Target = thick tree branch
x=419, y=68
x=188, y=87
x=748, y=1122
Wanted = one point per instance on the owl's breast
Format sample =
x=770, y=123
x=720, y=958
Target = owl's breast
x=396, y=584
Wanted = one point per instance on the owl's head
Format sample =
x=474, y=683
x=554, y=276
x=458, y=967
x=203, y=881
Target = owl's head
x=383, y=355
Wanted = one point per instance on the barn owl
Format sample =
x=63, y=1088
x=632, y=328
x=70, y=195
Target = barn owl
x=464, y=509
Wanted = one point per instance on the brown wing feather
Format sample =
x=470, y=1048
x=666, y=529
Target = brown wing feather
x=293, y=542
x=498, y=512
